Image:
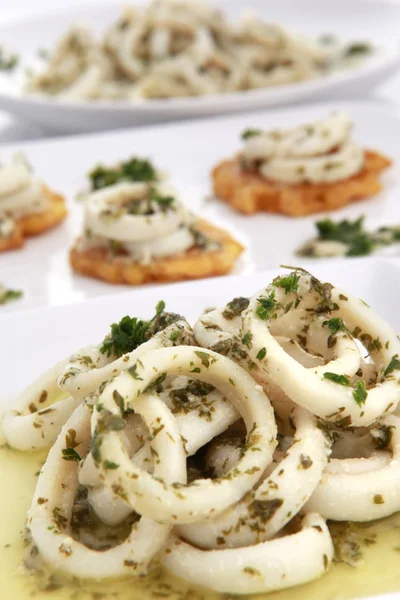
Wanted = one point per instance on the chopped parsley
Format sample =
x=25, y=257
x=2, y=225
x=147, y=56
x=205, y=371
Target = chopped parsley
x=290, y=283
x=261, y=354
x=394, y=365
x=358, y=49
x=358, y=241
x=204, y=357
x=267, y=306
x=360, y=393
x=156, y=384
x=235, y=307
x=340, y=379
x=135, y=169
x=130, y=332
x=249, y=133
x=9, y=295
x=335, y=325
x=71, y=454
x=8, y=62
x=109, y=465
x=246, y=339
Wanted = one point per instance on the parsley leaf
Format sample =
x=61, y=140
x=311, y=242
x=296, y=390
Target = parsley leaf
x=357, y=49
x=360, y=393
x=261, y=354
x=8, y=62
x=290, y=283
x=235, y=307
x=248, y=133
x=393, y=365
x=131, y=332
x=335, y=325
x=267, y=306
x=246, y=339
x=10, y=295
x=125, y=336
x=164, y=202
x=135, y=169
x=71, y=454
x=340, y=379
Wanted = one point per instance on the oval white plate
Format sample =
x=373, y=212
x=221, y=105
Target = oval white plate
x=374, y=20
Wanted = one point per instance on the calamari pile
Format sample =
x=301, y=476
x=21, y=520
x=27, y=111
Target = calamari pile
x=225, y=447
x=173, y=48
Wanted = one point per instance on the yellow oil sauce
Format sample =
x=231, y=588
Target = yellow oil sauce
x=377, y=573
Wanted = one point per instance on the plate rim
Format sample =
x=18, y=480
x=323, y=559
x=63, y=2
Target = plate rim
x=380, y=65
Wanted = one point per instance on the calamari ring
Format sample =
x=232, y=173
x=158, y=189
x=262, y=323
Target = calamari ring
x=309, y=387
x=361, y=489
x=38, y=417
x=276, y=564
x=196, y=432
x=88, y=369
x=266, y=510
x=127, y=227
x=50, y=513
x=203, y=498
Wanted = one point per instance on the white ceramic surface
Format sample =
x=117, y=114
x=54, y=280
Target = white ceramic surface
x=187, y=151
x=34, y=340
x=377, y=20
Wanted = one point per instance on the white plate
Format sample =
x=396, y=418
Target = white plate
x=187, y=152
x=375, y=20
x=34, y=340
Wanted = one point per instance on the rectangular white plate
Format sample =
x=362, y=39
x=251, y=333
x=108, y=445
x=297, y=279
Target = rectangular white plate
x=34, y=340
x=187, y=151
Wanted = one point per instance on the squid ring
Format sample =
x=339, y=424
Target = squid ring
x=326, y=390
x=50, y=513
x=88, y=369
x=276, y=564
x=38, y=418
x=266, y=510
x=361, y=489
x=204, y=498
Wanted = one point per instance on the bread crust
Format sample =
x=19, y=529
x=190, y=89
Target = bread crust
x=196, y=263
x=36, y=223
x=249, y=192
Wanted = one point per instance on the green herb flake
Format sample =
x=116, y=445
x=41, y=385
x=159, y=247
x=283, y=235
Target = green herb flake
x=267, y=306
x=133, y=372
x=340, y=379
x=71, y=454
x=119, y=400
x=261, y=354
x=156, y=384
x=109, y=465
x=249, y=133
x=360, y=393
x=8, y=61
x=10, y=295
x=394, y=365
x=246, y=339
x=174, y=335
x=235, y=307
x=135, y=169
x=204, y=357
x=290, y=283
